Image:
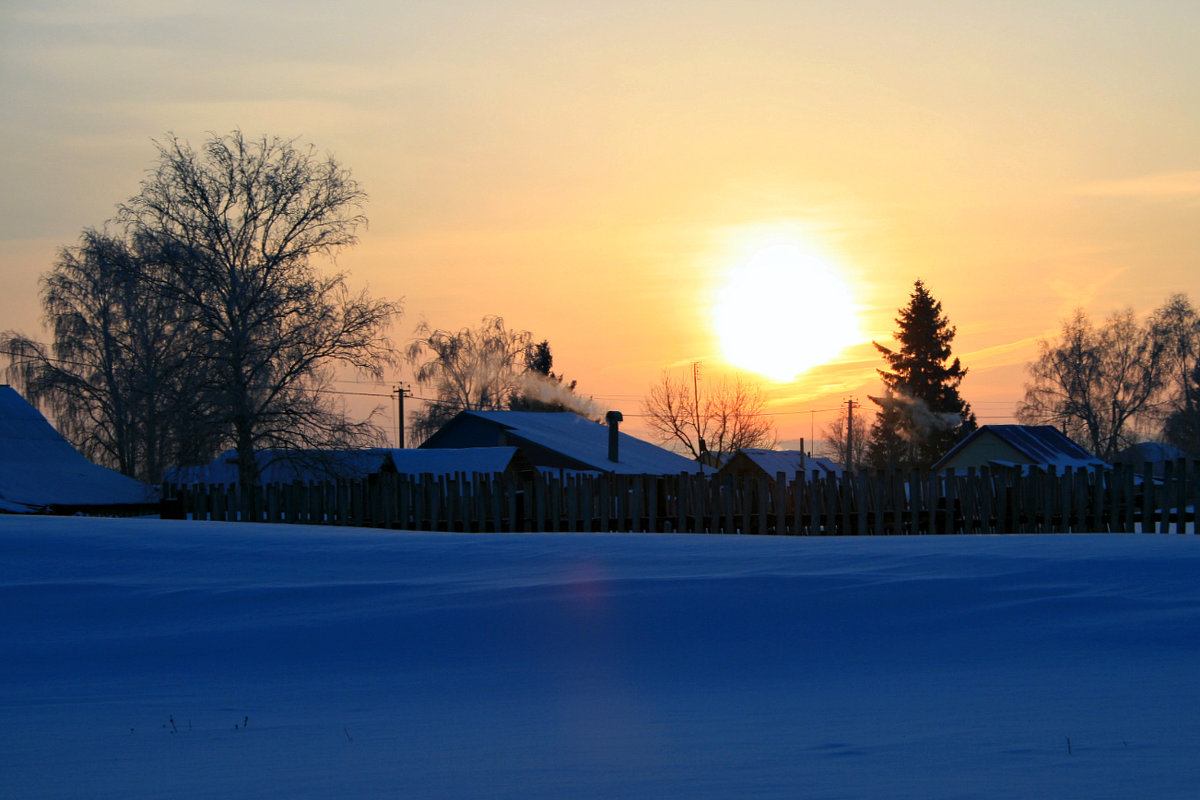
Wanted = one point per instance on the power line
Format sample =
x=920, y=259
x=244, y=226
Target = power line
x=389, y=395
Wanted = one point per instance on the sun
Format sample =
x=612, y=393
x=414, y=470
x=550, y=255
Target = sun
x=784, y=310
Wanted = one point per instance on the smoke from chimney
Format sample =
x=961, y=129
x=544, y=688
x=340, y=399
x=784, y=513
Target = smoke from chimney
x=538, y=387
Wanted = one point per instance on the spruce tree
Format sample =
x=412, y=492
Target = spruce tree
x=921, y=414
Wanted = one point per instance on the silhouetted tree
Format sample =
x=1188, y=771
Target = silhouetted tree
x=1182, y=426
x=241, y=220
x=472, y=369
x=710, y=424
x=119, y=377
x=1177, y=326
x=487, y=368
x=1097, y=384
x=921, y=414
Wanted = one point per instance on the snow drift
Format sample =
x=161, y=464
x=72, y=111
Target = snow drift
x=163, y=659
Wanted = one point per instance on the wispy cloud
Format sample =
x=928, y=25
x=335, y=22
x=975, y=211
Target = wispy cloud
x=1002, y=355
x=1160, y=186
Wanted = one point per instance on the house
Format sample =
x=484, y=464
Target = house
x=561, y=440
x=41, y=472
x=315, y=466
x=1154, y=454
x=1017, y=445
x=763, y=463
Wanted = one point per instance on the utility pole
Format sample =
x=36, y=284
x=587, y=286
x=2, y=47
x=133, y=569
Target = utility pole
x=401, y=391
x=850, y=435
x=696, y=407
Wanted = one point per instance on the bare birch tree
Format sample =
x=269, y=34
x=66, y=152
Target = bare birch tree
x=1177, y=325
x=118, y=376
x=1097, y=384
x=472, y=369
x=711, y=424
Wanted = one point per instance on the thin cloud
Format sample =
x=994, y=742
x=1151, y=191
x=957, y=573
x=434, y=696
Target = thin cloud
x=1002, y=355
x=1161, y=186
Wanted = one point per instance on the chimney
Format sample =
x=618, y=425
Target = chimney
x=612, y=418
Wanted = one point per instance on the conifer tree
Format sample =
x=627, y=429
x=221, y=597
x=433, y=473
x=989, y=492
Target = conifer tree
x=921, y=414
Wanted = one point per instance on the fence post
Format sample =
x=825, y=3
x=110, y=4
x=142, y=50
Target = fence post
x=858, y=501
x=1111, y=490
x=1164, y=497
x=198, y=504
x=510, y=488
x=1181, y=495
x=1064, y=499
x=1004, y=501
x=985, y=504
x=846, y=501
x=1096, y=479
x=814, y=501
x=1148, y=499
x=798, y=495
x=649, y=485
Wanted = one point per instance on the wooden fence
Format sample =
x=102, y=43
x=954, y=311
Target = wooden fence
x=975, y=501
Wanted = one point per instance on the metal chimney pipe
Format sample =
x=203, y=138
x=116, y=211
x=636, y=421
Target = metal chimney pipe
x=613, y=418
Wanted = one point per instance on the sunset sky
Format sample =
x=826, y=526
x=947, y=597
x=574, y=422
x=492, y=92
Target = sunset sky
x=596, y=172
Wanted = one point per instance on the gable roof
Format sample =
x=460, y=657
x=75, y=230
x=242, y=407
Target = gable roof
x=288, y=466
x=1150, y=453
x=40, y=469
x=1042, y=445
x=789, y=462
x=561, y=440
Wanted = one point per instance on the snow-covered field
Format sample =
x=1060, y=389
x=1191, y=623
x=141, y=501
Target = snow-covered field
x=150, y=659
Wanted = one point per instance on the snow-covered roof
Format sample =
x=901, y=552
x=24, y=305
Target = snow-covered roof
x=40, y=469
x=1150, y=453
x=789, y=462
x=579, y=440
x=1042, y=445
x=467, y=460
x=287, y=466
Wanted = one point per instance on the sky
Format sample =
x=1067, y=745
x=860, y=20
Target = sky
x=595, y=173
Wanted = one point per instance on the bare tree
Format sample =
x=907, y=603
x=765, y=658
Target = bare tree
x=1177, y=326
x=118, y=376
x=1097, y=384
x=712, y=424
x=472, y=369
x=241, y=220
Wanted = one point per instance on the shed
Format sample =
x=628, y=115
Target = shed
x=760, y=462
x=1154, y=454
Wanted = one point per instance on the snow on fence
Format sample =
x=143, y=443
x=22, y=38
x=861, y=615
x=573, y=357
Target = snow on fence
x=987, y=500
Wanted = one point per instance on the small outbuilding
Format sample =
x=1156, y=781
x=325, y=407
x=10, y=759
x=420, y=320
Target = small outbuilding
x=762, y=463
x=1152, y=454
